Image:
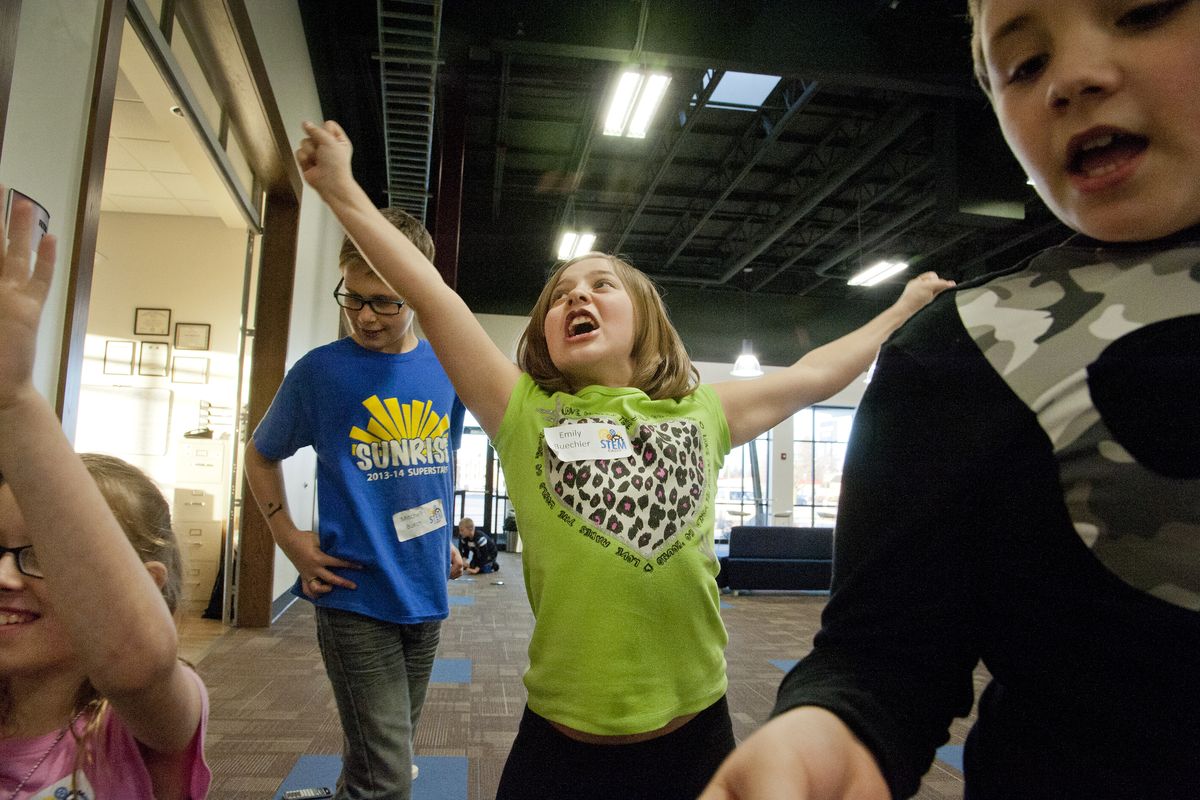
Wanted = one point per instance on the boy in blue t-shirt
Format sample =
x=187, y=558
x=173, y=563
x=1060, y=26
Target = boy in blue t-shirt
x=384, y=421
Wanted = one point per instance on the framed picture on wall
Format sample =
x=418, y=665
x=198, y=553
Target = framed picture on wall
x=118, y=357
x=191, y=335
x=152, y=322
x=153, y=359
x=189, y=369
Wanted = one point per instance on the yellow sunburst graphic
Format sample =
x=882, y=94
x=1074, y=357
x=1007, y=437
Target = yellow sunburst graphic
x=390, y=420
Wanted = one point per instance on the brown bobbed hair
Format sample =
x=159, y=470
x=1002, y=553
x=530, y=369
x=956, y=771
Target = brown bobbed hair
x=401, y=220
x=661, y=366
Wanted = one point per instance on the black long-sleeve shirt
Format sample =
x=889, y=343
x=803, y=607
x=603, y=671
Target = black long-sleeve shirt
x=1022, y=486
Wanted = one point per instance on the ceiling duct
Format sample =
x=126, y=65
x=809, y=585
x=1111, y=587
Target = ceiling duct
x=409, y=31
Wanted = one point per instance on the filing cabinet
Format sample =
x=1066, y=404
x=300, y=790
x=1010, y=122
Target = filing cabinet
x=198, y=517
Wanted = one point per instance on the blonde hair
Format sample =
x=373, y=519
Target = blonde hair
x=142, y=513
x=410, y=226
x=975, y=9
x=145, y=517
x=661, y=365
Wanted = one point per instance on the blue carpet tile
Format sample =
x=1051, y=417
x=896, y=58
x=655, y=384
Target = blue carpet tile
x=951, y=754
x=451, y=670
x=442, y=777
x=784, y=664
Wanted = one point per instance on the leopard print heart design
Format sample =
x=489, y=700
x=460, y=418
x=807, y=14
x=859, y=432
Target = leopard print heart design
x=641, y=502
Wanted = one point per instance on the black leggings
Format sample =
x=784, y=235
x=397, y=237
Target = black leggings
x=546, y=765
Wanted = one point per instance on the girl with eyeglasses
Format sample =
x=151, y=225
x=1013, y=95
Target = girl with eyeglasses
x=94, y=701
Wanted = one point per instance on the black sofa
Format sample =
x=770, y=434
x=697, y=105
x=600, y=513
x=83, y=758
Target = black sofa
x=778, y=557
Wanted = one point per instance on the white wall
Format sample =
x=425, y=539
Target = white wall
x=192, y=266
x=314, y=322
x=44, y=139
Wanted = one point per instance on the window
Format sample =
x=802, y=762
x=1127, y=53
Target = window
x=471, y=491
x=743, y=487
x=819, y=448
x=740, y=91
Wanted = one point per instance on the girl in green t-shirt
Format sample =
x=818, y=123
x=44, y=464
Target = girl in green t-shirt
x=599, y=325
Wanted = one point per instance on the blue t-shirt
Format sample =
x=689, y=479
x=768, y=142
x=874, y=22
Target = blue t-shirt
x=384, y=427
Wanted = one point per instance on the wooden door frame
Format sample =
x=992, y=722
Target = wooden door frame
x=223, y=39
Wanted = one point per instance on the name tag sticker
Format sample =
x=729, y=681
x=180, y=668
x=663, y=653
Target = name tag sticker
x=588, y=441
x=423, y=519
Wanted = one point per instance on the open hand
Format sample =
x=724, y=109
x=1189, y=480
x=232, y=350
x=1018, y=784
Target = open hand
x=324, y=156
x=22, y=296
x=316, y=566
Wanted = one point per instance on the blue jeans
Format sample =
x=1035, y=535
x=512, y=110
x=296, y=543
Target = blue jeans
x=379, y=672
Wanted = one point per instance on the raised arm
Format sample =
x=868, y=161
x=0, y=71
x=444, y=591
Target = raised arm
x=112, y=610
x=755, y=406
x=483, y=376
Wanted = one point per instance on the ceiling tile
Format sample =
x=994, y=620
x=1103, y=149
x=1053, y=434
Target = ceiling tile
x=155, y=156
x=130, y=118
x=134, y=184
x=181, y=187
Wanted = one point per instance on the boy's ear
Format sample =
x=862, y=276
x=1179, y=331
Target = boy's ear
x=158, y=572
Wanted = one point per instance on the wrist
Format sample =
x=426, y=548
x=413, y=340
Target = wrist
x=340, y=190
x=20, y=405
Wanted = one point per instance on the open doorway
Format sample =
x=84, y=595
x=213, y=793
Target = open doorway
x=165, y=347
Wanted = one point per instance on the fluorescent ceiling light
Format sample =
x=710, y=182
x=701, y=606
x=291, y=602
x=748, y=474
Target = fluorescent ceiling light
x=652, y=95
x=633, y=104
x=584, y=245
x=621, y=105
x=877, y=273
x=574, y=244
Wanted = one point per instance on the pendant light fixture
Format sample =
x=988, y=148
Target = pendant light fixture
x=747, y=365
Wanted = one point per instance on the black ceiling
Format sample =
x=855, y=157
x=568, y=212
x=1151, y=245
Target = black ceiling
x=875, y=143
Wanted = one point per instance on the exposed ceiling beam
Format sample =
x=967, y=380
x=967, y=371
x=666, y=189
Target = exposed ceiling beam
x=668, y=142
x=894, y=130
x=952, y=86
x=757, y=147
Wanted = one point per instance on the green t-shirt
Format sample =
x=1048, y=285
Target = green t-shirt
x=618, y=552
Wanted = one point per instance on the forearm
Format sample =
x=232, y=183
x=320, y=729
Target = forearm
x=396, y=259
x=265, y=478
x=85, y=554
x=833, y=366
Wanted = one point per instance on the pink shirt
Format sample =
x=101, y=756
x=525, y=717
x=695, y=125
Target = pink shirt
x=119, y=773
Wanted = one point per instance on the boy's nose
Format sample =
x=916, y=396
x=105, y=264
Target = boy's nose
x=1081, y=75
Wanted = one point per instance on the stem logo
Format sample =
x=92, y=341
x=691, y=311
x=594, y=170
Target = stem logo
x=400, y=435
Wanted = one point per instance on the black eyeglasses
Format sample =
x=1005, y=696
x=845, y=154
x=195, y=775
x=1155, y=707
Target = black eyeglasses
x=27, y=560
x=352, y=302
